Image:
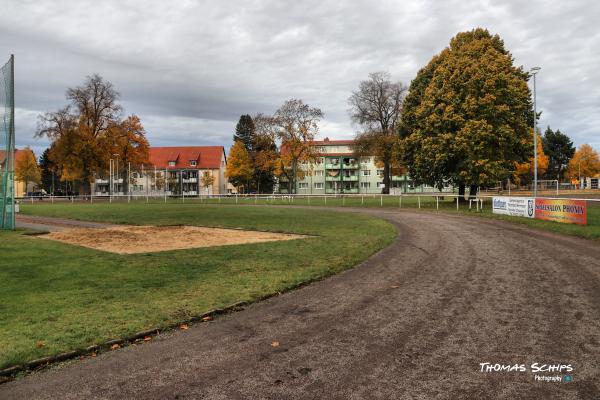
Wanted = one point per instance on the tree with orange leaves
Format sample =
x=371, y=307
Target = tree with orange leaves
x=585, y=163
x=239, y=169
x=524, y=171
x=130, y=142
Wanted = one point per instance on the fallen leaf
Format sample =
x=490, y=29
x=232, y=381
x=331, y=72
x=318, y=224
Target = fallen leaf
x=207, y=318
x=40, y=344
x=147, y=338
x=275, y=344
x=184, y=327
x=114, y=346
x=394, y=287
x=94, y=354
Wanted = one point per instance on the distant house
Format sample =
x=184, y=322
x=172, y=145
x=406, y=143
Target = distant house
x=172, y=171
x=20, y=189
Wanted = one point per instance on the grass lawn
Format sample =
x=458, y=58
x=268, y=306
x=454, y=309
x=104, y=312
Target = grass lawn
x=57, y=297
x=427, y=202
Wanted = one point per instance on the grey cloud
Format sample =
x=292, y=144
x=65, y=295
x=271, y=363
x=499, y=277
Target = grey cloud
x=190, y=68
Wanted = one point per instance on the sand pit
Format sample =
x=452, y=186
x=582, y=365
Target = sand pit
x=147, y=239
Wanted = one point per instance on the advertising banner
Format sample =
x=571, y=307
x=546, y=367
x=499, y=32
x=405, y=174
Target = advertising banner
x=567, y=211
x=515, y=206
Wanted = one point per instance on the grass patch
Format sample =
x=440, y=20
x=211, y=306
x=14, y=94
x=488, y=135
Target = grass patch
x=57, y=297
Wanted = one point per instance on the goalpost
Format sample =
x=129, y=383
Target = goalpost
x=7, y=144
x=548, y=184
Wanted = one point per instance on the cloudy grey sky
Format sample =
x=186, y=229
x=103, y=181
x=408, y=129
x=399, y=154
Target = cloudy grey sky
x=190, y=68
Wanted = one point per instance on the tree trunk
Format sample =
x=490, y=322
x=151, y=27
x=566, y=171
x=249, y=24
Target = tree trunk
x=386, y=178
x=87, y=186
x=461, y=192
x=472, y=191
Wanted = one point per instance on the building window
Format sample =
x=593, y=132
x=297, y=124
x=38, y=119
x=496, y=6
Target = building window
x=171, y=163
x=319, y=173
x=193, y=163
x=365, y=185
x=318, y=185
x=365, y=160
x=366, y=172
x=303, y=185
x=380, y=172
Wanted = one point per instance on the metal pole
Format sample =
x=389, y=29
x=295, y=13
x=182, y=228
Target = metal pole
x=534, y=138
x=535, y=166
x=129, y=182
x=110, y=180
x=117, y=176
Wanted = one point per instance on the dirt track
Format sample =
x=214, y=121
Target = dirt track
x=412, y=322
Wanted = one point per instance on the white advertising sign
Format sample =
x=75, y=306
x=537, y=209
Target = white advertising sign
x=516, y=206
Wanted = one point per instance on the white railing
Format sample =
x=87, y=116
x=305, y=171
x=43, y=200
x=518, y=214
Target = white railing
x=423, y=200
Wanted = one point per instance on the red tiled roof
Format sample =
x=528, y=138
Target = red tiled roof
x=205, y=157
x=18, y=155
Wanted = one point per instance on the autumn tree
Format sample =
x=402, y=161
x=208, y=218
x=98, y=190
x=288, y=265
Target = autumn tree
x=80, y=132
x=524, y=172
x=239, y=166
x=26, y=167
x=295, y=124
x=468, y=115
x=559, y=149
x=265, y=154
x=376, y=107
x=258, y=139
x=585, y=163
x=130, y=143
x=207, y=180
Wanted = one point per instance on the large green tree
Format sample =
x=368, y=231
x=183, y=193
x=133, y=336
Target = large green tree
x=244, y=132
x=50, y=176
x=559, y=149
x=468, y=114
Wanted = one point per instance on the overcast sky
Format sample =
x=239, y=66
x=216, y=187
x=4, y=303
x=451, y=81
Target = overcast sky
x=190, y=68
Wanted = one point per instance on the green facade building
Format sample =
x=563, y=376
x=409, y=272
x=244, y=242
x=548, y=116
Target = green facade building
x=338, y=171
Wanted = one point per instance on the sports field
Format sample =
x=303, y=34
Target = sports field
x=58, y=297
x=425, y=202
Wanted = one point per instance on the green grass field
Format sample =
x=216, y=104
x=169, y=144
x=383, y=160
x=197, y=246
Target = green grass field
x=427, y=203
x=56, y=297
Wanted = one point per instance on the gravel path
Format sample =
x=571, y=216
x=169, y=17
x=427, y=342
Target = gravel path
x=412, y=322
x=50, y=224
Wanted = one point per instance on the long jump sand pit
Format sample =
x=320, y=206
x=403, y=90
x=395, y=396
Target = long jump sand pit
x=147, y=239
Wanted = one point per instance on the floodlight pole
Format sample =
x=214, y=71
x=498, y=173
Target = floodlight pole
x=534, y=72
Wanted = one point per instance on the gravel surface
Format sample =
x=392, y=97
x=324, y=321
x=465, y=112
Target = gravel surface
x=412, y=322
x=50, y=224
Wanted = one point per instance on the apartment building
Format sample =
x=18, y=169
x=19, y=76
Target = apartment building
x=338, y=170
x=171, y=171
